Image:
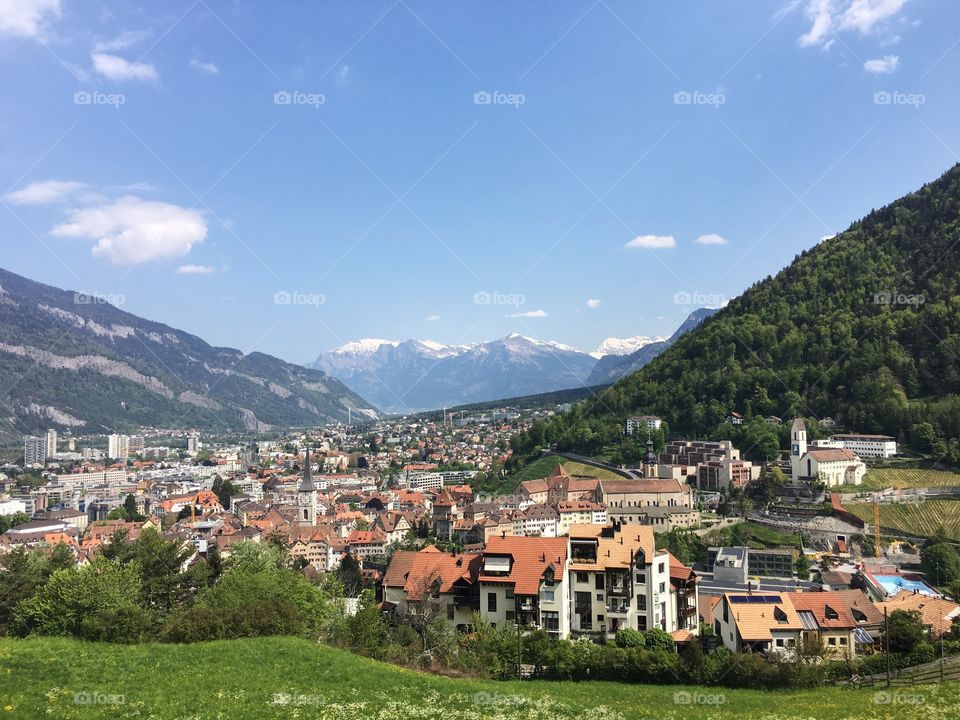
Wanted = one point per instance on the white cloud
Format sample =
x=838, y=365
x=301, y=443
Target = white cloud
x=593, y=303
x=820, y=13
x=431, y=318
x=118, y=68
x=829, y=17
x=130, y=231
x=882, y=66
x=652, y=241
x=824, y=238
x=208, y=68
x=528, y=314
x=343, y=74
x=865, y=15
x=195, y=270
x=44, y=193
x=122, y=41
x=27, y=18
x=711, y=239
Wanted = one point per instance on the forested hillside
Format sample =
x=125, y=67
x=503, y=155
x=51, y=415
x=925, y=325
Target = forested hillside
x=864, y=328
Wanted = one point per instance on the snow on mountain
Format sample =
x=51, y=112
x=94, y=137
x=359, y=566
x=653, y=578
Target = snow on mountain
x=363, y=347
x=624, y=346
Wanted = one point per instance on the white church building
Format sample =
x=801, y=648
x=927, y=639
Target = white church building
x=831, y=466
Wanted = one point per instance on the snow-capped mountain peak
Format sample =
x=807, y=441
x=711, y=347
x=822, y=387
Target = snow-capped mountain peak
x=623, y=346
x=363, y=347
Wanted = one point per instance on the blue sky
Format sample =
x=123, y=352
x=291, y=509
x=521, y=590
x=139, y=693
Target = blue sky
x=285, y=177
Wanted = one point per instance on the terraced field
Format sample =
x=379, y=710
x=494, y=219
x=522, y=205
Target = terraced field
x=891, y=478
x=921, y=519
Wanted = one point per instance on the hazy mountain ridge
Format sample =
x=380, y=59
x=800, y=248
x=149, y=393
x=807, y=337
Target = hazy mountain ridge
x=72, y=359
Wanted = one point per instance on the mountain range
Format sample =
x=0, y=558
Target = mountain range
x=73, y=360
x=415, y=375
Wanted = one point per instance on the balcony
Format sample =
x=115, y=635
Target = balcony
x=617, y=608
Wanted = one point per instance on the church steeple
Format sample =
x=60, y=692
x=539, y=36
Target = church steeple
x=306, y=485
x=307, y=495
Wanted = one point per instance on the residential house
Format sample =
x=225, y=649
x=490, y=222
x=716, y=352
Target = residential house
x=757, y=622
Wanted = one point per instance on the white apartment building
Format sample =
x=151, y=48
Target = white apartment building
x=118, y=447
x=646, y=422
x=34, y=450
x=881, y=446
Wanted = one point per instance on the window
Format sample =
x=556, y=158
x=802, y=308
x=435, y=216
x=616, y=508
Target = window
x=641, y=602
x=660, y=568
x=779, y=642
x=641, y=578
x=582, y=577
x=599, y=618
x=548, y=596
x=491, y=602
x=450, y=611
x=831, y=641
x=551, y=620
x=663, y=587
x=509, y=593
x=598, y=580
x=843, y=641
x=510, y=615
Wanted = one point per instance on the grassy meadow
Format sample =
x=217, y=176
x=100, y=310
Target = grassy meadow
x=292, y=678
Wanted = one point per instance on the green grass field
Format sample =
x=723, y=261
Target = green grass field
x=918, y=519
x=287, y=678
x=544, y=468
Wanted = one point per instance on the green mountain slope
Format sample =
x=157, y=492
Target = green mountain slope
x=70, y=360
x=864, y=328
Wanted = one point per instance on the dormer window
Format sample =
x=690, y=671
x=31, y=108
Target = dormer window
x=780, y=616
x=830, y=613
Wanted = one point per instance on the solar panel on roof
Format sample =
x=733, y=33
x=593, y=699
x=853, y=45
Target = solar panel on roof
x=747, y=599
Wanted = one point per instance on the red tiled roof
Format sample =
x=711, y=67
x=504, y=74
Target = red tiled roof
x=531, y=558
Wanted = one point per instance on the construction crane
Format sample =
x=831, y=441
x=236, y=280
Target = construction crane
x=876, y=525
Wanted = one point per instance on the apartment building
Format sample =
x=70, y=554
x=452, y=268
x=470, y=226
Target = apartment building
x=598, y=581
x=643, y=422
x=881, y=446
x=619, y=580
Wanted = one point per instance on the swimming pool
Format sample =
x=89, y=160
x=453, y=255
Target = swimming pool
x=893, y=584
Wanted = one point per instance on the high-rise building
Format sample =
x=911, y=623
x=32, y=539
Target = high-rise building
x=118, y=447
x=34, y=450
x=51, y=442
x=136, y=443
x=193, y=444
